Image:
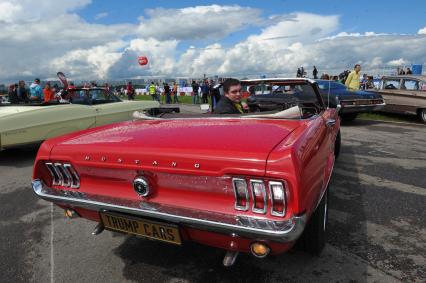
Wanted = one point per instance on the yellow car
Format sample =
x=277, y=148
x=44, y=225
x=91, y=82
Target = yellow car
x=23, y=124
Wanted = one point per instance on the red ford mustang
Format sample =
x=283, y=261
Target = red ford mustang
x=245, y=183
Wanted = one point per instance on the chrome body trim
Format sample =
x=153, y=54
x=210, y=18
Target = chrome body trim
x=271, y=196
x=265, y=204
x=246, y=195
x=54, y=173
x=65, y=175
x=287, y=230
x=361, y=108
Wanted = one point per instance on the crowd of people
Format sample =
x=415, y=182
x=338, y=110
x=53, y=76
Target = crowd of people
x=19, y=93
x=203, y=91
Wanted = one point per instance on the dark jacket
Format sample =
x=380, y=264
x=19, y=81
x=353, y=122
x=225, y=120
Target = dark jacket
x=13, y=96
x=226, y=106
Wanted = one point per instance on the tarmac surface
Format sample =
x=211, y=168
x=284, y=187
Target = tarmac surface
x=377, y=226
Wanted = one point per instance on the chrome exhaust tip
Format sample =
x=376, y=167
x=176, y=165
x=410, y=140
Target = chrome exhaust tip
x=230, y=258
x=98, y=229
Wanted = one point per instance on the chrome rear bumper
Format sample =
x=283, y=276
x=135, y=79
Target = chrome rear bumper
x=241, y=225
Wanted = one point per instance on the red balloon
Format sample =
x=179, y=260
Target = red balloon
x=142, y=60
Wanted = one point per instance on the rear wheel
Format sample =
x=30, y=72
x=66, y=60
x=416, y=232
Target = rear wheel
x=349, y=117
x=422, y=115
x=315, y=235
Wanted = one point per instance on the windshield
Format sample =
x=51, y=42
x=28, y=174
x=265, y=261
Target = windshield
x=281, y=95
x=324, y=85
x=92, y=96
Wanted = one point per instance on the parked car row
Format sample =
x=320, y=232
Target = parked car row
x=255, y=183
x=396, y=94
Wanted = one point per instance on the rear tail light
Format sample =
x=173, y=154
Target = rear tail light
x=259, y=196
x=241, y=194
x=278, y=198
x=63, y=174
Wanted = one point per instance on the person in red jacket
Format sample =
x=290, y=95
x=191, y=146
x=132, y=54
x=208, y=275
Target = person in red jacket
x=48, y=93
x=130, y=91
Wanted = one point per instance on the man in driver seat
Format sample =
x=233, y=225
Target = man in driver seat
x=230, y=103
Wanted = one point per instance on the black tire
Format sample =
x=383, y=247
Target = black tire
x=314, y=237
x=422, y=115
x=337, y=145
x=348, y=117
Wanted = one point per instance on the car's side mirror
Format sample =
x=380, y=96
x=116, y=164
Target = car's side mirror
x=338, y=107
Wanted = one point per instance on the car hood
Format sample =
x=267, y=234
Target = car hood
x=6, y=111
x=215, y=145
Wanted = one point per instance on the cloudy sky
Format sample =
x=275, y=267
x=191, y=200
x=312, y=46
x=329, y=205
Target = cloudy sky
x=102, y=39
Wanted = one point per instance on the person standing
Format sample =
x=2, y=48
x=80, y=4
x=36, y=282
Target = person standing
x=409, y=72
x=48, y=93
x=230, y=103
x=152, y=91
x=167, y=93
x=175, y=93
x=13, y=93
x=36, y=91
x=130, y=91
x=22, y=92
x=195, y=98
x=204, y=92
x=158, y=92
x=315, y=73
x=352, y=82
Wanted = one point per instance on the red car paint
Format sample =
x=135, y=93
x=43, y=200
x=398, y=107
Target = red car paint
x=190, y=163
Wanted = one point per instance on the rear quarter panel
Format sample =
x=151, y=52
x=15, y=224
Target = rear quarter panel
x=305, y=160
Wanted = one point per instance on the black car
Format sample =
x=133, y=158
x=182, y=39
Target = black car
x=334, y=94
x=351, y=102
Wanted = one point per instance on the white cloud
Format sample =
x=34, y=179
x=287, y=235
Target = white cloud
x=93, y=62
x=201, y=22
x=39, y=38
x=422, y=31
x=161, y=58
x=31, y=47
x=397, y=62
x=16, y=11
x=101, y=15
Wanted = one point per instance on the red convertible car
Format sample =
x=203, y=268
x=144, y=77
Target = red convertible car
x=253, y=183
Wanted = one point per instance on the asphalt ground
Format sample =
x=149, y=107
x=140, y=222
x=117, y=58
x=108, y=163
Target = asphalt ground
x=377, y=227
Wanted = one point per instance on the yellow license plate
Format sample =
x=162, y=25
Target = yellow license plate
x=149, y=229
